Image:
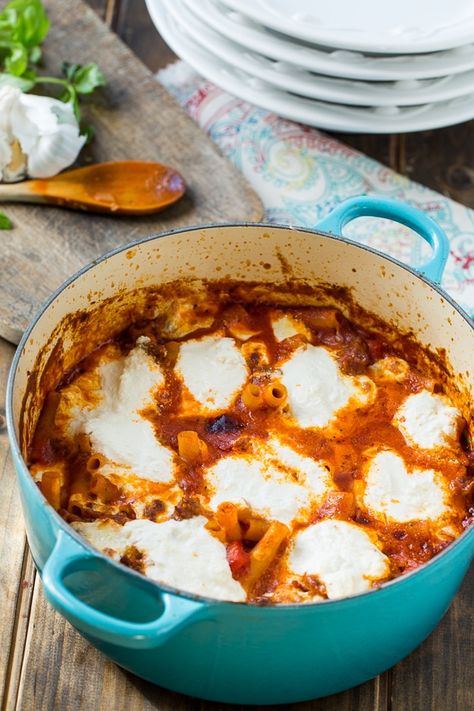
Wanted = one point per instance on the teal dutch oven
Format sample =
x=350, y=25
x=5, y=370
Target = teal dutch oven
x=226, y=651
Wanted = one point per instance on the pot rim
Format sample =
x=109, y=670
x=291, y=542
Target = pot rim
x=163, y=586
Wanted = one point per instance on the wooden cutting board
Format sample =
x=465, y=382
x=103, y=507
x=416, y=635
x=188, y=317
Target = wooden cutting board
x=133, y=117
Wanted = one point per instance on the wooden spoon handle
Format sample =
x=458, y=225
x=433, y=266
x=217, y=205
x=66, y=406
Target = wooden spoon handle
x=20, y=192
x=121, y=187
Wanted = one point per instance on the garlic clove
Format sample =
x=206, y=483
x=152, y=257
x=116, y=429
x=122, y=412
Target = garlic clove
x=54, y=151
x=8, y=97
x=5, y=152
x=16, y=168
x=38, y=135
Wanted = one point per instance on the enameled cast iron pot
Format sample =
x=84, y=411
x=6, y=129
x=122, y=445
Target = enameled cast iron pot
x=230, y=651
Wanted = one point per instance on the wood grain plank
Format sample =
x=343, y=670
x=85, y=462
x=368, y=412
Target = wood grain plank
x=133, y=25
x=15, y=577
x=443, y=160
x=17, y=655
x=100, y=7
x=439, y=675
x=133, y=117
x=63, y=671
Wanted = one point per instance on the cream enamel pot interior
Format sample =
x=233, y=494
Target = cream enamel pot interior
x=228, y=651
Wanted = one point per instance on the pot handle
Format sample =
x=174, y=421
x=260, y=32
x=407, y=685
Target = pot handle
x=67, y=557
x=373, y=206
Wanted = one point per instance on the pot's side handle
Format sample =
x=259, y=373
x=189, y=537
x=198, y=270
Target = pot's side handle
x=372, y=206
x=68, y=557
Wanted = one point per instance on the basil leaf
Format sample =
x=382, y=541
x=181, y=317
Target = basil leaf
x=17, y=60
x=86, y=78
x=88, y=131
x=35, y=54
x=28, y=21
x=5, y=222
x=69, y=69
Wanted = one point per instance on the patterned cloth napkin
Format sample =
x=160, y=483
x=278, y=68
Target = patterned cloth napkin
x=300, y=174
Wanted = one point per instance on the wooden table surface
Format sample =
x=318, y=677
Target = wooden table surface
x=45, y=665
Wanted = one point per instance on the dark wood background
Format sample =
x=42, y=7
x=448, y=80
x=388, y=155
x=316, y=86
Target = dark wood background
x=46, y=666
x=440, y=675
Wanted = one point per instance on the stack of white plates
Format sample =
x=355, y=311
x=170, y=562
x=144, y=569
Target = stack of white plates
x=345, y=65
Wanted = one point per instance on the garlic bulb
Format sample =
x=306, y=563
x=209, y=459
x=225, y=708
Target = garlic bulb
x=39, y=136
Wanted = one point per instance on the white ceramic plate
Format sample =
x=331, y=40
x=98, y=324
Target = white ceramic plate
x=403, y=26
x=308, y=111
x=299, y=81
x=337, y=63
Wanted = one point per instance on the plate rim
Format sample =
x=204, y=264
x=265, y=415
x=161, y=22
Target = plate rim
x=461, y=59
x=343, y=39
x=338, y=90
x=254, y=96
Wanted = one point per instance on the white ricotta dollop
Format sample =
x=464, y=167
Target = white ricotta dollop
x=274, y=480
x=317, y=388
x=284, y=326
x=393, y=491
x=186, y=556
x=182, y=554
x=213, y=370
x=427, y=420
x=340, y=554
x=117, y=429
x=140, y=378
x=105, y=535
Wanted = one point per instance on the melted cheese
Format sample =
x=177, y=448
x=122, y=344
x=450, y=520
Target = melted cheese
x=186, y=315
x=401, y=495
x=130, y=441
x=341, y=555
x=255, y=353
x=213, y=370
x=105, y=535
x=184, y=555
x=275, y=481
x=116, y=428
x=427, y=420
x=85, y=393
x=317, y=389
x=138, y=493
x=285, y=326
x=389, y=369
x=240, y=332
x=291, y=591
x=254, y=469
x=140, y=378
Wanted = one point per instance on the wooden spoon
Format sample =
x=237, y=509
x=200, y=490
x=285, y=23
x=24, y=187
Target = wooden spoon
x=126, y=187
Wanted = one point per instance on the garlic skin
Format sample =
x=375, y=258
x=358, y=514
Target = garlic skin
x=39, y=136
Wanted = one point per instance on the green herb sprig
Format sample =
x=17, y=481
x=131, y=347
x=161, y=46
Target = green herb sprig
x=24, y=25
x=5, y=222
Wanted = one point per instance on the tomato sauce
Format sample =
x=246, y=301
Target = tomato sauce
x=342, y=446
